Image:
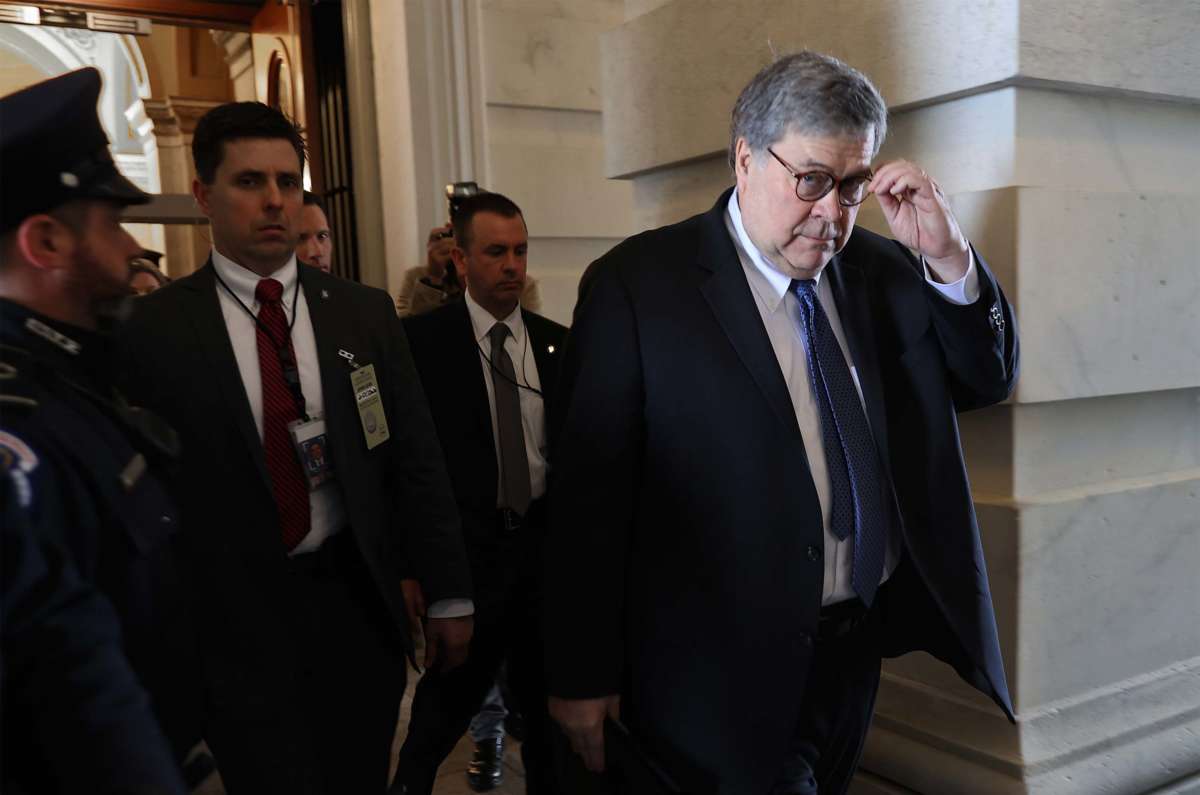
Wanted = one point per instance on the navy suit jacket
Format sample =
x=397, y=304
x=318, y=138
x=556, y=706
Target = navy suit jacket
x=683, y=511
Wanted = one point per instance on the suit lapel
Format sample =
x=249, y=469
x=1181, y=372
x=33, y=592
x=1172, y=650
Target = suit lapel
x=213, y=335
x=327, y=313
x=728, y=294
x=547, y=362
x=476, y=389
x=848, y=283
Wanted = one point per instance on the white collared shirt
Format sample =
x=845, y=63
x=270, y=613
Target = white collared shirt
x=780, y=311
x=325, y=503
x=533, y=416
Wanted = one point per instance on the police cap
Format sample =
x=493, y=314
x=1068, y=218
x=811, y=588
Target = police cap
x=53, y=149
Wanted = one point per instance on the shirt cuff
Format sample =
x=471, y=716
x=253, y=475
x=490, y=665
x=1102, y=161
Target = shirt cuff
x=451, y=608
x=962, y=292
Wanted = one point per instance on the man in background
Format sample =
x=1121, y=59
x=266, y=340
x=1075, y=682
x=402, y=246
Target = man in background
x=438, y=282
x=147, y=273
x=489, y=367
x=315, y=246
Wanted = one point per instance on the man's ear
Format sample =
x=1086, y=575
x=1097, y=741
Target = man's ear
x=459, y=258
x=46, y=242
x=200, y=193
x=741, y=158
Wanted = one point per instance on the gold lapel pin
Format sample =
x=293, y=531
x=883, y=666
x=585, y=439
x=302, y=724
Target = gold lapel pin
x=550, y=349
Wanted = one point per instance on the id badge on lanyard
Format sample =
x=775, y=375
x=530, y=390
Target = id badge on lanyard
x=312, y=449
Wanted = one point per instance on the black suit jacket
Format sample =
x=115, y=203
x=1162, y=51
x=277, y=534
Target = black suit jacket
x=448, y=360
x=684, y=564
x=397, y=496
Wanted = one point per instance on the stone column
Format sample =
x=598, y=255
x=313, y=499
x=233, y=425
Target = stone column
x=1068, y=136
x=239, y=55
x=174, y=120
x=174, y=170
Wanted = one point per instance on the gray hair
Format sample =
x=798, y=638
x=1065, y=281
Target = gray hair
x=810, y=93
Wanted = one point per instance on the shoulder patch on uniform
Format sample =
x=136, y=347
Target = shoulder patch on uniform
x=15, y=455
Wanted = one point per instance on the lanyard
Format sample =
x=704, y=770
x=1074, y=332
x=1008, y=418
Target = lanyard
x=283, y=348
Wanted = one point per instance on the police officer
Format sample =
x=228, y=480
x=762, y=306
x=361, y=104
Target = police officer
x=84, y=462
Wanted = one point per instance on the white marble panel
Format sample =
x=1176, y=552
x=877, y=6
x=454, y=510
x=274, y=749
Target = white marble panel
x=1094, y=442
x=1036, y=137
x=1108, y=588
x=1131, y=45
x=967, y=144
x=1106, y=143
x=558, y=264
x=1128, y=738
x=538, y=60
x=1109, y=293
x=635, y=8
x=609, y=12
x=673, y=194
x=559, y=290
x=701, y=53
x=551, y=166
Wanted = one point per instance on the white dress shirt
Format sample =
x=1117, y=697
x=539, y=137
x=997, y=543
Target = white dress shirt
x=325, y=503
x=328, y=514
x=533, y=416
x=780, y=311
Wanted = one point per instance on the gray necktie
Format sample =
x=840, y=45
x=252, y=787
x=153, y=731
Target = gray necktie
x=514, y=463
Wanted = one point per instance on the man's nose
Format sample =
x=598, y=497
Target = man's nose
x=274, y=196
x=828, y=205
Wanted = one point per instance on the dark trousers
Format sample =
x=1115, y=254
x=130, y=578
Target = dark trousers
x=350, y=668
x=839, y=698
x=507, y=629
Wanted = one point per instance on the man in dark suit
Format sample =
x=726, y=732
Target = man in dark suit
x=758, y=487
x=489, y=369
x=311, y=480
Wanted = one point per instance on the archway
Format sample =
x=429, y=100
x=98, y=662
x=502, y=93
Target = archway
x=30, y=53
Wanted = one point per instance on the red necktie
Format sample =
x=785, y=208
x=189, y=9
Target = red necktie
x=288, y=483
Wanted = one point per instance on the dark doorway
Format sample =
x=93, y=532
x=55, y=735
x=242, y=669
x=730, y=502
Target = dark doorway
x=336, y=183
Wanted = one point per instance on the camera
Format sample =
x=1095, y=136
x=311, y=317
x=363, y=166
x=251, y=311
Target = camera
x=455, y=193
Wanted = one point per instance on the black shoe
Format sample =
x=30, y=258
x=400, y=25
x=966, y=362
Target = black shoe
x=486, y=771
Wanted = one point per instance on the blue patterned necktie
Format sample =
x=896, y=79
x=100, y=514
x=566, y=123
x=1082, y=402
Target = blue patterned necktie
x=856, y=478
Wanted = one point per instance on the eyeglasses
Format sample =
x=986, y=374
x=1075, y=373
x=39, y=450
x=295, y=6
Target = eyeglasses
x=812, y=186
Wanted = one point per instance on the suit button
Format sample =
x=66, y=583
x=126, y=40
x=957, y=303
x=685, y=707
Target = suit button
x=814, y=553
x=166, y=519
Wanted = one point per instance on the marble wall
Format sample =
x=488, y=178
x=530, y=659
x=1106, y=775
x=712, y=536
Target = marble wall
x=544, y=134
x=506, y=93
x=1066, y=135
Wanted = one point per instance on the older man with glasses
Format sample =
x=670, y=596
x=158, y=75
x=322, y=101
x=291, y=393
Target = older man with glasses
x=758, y=485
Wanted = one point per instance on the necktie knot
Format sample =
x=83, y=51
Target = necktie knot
x=805, y=289
x=498, y=335
x=268, y=291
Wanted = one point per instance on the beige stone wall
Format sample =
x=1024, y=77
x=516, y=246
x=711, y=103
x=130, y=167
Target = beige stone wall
x=506, y=93
x=544, y=135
